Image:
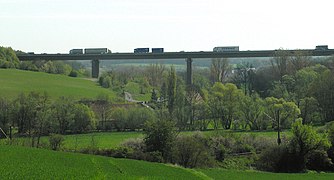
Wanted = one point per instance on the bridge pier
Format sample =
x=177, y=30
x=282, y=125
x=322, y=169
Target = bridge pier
x=95, y=68
x=189, y=78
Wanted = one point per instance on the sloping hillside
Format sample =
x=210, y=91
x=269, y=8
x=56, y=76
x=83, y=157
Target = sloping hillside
x=30, y=163
x=13, y=82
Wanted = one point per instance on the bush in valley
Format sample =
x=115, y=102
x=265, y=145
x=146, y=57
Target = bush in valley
x=330, y=129
x=138, y=146
x=191, y=151
x=305, y=141
x=118, y=152
x=319, y=161
x=306, y=149
x=272, y=159
x=56, y=141
x=83, y=119
x=74, y=73
x=28, y=65
x=159, y=136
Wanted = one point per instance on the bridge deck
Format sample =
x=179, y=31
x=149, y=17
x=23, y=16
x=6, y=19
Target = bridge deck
x=166, y=55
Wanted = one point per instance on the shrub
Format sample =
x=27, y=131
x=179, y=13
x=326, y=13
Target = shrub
x=154, y=156
x=304, y=141
x=137, y=144
x=73, y=73
x=190, y=151
x=271, y=159
x=330, y=129
x=138, y=147
x=306, y=149
x=159, y=136
x=56, y=141
x=319, y=161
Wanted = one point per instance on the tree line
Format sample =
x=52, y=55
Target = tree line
x=239, y=98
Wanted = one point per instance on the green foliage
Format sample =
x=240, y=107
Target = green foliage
x=319, y=161
x=309, y=108
x=306, y=147
x=274, y=159
x=74, y=73
x=252, y=111
x=28, y=65
x=278, y=110
x=138, y=116
x=224, y=102
x=191, y=151
x=171, y=89
x=83, y=119
x=63, y=113
x=305, y=139
x=56, y=141
x=5, y=114
x=140, y=90
x=322, y=89
x=330, y=130
x=159, y=136
x=219, y=70
x=8, y=58
x=120, y=116
x=155, y=73
x=105, y=81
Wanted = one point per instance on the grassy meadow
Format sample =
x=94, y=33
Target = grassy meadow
x=14, y=82
x=32, y=163
x=134, y=89
x=114, y=139
x=100, y=140
x=29, y=163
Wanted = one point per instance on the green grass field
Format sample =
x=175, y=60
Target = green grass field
x=134, y=89
x=31, y=163
x=28, y=163
x=101, y=140
x=245, y=175
x=114, y=139
x=14, y=82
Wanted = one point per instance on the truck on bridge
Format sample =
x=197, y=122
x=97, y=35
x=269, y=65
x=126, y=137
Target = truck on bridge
x=76, y=51
x=226, y=49
x=141, y=50
x=90, y=51
x=321, y=47
x=157, y=50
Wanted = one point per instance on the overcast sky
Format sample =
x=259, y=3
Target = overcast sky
x=53, y=26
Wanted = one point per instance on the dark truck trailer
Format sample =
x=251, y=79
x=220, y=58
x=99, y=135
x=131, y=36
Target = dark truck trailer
x=141, y=50
x=97, y=51
x=321, y=47
x=157, y=50
x=76, y=51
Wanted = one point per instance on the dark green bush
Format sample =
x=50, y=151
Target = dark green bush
x=191, y=151
x=56, y=141
x=154, y=156
x=73, y=73
x=319, y=161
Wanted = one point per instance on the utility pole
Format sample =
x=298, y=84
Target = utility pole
x=278, y=129
x=10, y=132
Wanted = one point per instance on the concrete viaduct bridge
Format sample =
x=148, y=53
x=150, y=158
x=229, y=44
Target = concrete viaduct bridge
x=188, y=56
